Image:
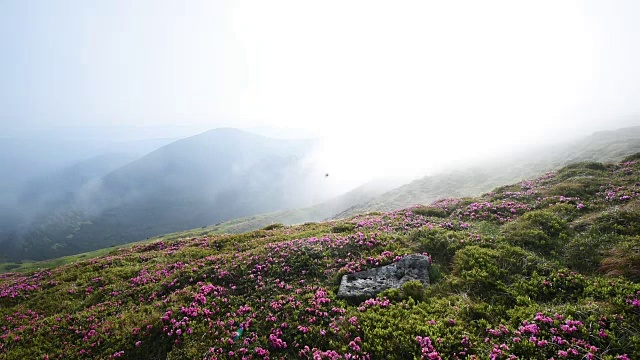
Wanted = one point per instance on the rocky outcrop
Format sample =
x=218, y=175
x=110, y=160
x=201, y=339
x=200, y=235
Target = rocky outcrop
x=367, y=284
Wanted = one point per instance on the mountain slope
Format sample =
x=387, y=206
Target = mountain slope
x=62, y=186
x=243, y=171
x=313, y=213
x=22, y=160
x=543, y=268
x=215, y=176
x=603, y=146
x=27, y=161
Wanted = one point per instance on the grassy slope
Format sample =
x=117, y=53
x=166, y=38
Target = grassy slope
x=297, y=216
x=606, y=146
x=542, y=268
x=317, y=212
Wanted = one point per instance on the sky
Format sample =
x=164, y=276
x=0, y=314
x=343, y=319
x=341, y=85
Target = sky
x=395, y=87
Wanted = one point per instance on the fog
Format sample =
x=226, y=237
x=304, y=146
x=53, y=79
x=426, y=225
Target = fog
x=385, y=82
x=387, y=89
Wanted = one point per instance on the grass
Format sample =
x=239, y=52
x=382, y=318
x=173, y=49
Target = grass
x=524, y=271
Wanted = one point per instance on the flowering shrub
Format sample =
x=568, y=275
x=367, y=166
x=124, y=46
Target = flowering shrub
x=546, y=268
x=499, y=211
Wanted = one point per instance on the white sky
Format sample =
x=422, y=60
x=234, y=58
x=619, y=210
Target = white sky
x=396, y=85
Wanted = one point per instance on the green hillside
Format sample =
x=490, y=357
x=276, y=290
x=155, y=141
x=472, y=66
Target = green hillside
x=604, y=146
x=317, y=212
x=543, y=268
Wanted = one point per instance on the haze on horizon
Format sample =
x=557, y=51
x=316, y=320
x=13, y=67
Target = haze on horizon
x=386, y=84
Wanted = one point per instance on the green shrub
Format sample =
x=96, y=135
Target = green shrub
x=9, y=267
x=567, y=212
x=486, y=229
x=584, y=186
x=388, y=332
x=414, y=290
x=343, y=227
x=392, y=294
x=592, y=165
x=575, y=174
x=487, y=273
x=410, y=290
x=273, y=226
x=429, y=211
x=634, y=157
x=506, y=188
x=584, y=252
x=439, y=243
x=623, y=222
x=541, y=231
x=437, y=273
x=623, y=260
x=568, y=189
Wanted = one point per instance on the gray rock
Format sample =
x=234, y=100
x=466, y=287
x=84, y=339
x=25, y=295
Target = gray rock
x=367, y=284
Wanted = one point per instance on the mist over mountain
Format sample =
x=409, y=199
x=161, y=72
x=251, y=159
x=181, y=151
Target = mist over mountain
x=463, y=178
x=198, y=160
x=517, y=164
x=216, y=176
x=240, y=181
x=44, y=172
x=29, y=158
x=41, y=173
x=322, y=211
x=59, y=187
x=24, y=159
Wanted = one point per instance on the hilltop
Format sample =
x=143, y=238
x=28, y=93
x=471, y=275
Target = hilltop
x=518, y=164
x=547, y=267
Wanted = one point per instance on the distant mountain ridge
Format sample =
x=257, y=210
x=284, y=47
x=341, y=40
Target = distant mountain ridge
x=215, y=176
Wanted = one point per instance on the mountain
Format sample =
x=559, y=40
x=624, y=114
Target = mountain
x=23, y=159
x=44, y=180
x=30, y=162
x=218, y=175
x=208, y=178
x=602, y=146
x=543, y=268
x=60, y=187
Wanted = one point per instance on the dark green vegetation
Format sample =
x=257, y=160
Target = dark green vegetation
x=548, y=267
